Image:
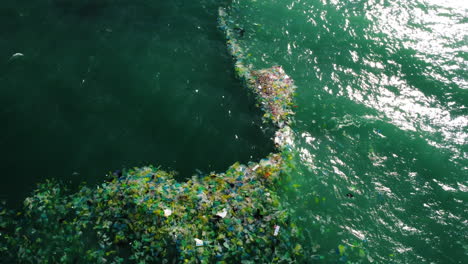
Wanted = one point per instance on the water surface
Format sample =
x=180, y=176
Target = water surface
x=381, y=123
x=106, y=85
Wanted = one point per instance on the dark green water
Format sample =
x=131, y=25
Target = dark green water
x=104, y=85
x=381, y=120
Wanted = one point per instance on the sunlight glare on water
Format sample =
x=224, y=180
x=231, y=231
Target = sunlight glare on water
x=381, y=123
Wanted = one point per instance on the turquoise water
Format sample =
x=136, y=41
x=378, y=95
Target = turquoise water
x=381, y=124
x=381, y=121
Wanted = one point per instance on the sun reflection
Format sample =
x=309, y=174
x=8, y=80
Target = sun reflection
x=429, y=28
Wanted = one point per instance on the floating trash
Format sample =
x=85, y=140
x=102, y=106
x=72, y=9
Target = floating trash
x=144, y=215
x=222, y=214
x=167, y=212
x=277, y=228
x=228, y=214
x=273, y=88
x=198, y=242
x=16, y=56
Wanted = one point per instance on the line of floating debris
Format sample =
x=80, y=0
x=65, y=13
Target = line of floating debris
x=273, y=88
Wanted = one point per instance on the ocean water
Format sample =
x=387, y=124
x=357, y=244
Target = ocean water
x=381, y=123
x=105, y=85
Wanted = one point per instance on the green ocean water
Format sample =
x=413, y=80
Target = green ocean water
x=381, y=124
x=106, y=85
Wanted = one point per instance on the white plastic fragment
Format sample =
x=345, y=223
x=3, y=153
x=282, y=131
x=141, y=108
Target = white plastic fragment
x=284, y=137
x=222, y=214
x=277, y=228
x=198, y=242
x=167, y=212
x=16, y=55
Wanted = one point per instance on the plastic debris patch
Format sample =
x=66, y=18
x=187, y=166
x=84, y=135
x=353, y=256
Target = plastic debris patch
x=146, y=216
x=273, y=88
